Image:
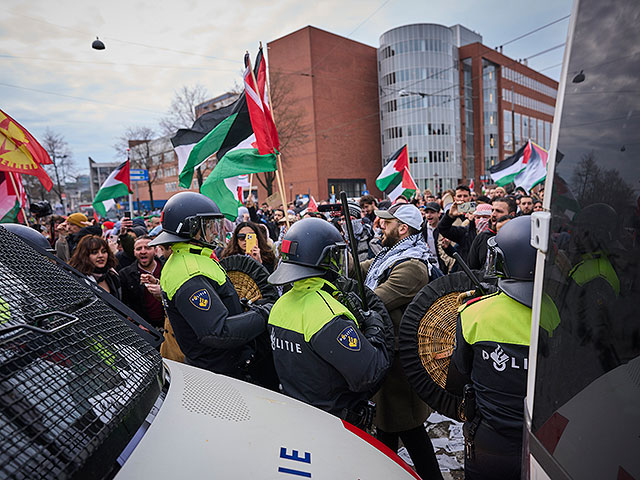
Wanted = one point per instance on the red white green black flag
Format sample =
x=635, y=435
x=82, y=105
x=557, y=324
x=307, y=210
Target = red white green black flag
x=395, y=178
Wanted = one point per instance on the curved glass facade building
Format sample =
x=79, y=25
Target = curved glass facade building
x=418, y=76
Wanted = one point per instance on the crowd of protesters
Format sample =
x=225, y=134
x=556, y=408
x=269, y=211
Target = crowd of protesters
x=118, y=257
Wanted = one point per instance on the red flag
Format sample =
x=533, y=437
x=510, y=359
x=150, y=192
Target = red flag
x=471, y=185
x=313, y=206
x=12, y=197
x=264, y=95
x=20, y=152
x=256, y=111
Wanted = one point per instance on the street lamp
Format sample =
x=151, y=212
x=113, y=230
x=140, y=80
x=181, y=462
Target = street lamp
x=97, y=44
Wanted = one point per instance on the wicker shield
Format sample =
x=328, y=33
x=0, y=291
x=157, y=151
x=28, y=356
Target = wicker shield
x=427, y=337
x=249, y=278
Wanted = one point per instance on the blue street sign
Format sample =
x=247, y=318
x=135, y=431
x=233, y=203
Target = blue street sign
x=138, y=175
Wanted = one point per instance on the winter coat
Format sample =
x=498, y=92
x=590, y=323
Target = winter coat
x=398, y=407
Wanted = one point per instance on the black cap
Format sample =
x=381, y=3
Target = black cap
x=435, y=206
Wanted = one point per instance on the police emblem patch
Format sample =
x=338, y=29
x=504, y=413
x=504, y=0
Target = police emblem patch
x=349, y=339
x=201, y=299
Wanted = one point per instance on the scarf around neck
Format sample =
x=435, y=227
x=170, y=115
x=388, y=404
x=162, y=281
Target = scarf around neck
x=413, y=246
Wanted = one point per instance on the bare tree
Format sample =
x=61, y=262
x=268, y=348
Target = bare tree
x=135, y=143
x=62, y=167
x=182, y=112
x=288, y=114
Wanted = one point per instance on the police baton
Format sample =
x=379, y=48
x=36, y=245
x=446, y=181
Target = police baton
x=470, y=274
x=354, y=253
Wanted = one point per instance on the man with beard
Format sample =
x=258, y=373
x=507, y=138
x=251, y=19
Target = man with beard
x=396, y=275
x=141, y=283
x=502, y=208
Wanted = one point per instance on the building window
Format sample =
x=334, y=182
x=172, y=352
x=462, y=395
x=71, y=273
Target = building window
x=352, y=186
x=517, y=131
x=171, y=187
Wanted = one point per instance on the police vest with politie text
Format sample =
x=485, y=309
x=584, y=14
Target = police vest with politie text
x=209, y=322
x=327, y=352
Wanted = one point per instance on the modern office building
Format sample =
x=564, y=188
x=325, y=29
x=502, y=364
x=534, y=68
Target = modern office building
x=505, y=104
x=420, y=102
x=458, y=105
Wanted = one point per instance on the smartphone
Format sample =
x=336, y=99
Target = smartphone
x=127, y=213
x=467, y=207
x=252, y=240
x=330, y=207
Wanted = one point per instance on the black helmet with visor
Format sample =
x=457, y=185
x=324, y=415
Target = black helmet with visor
x=309, y=248
x=190, y=217
x=512, y=259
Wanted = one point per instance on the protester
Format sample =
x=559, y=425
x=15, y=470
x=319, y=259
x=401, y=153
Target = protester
x=261, y=251
x=526, y=205
x=501, y=207
x=77, y=226
x=438, y=245
x=537, y=205
x=368, y=205
x=396, y=275
x=363, y=233
x=141, y=283
x=93, y=257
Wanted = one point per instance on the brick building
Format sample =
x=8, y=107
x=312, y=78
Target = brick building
x=331, y=84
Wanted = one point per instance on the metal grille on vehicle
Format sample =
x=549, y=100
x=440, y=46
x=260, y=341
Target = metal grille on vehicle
x=71, y=370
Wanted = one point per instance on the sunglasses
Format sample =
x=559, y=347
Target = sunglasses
x=242, y=236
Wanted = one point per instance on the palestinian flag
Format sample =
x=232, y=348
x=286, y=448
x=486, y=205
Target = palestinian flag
x=525, y=168
x=117, y=184
x=395, y=178
x=12, y=198
x=187, y=138
x=238, y=150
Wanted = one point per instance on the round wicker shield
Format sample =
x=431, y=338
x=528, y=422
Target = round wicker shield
x=427, y=337
x=249, y=278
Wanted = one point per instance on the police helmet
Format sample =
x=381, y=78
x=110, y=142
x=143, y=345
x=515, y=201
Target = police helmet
x=29, y=235
x=594, y=228
x=190, y=216
x=309, y=248
x=512, y=259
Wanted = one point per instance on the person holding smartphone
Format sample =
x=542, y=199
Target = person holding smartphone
x=248, y=239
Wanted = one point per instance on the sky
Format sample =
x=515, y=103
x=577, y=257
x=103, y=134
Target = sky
x=52, y=78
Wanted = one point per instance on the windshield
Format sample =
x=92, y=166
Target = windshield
x=585, y=388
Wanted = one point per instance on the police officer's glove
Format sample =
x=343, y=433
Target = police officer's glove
x=264, y=309
x=352, y=301
x=372, y=324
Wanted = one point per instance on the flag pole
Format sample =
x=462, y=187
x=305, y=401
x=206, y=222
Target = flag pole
x=280, y=170
x=18, y=196
x=129, y=186
x=250, y=184
x=278, y=178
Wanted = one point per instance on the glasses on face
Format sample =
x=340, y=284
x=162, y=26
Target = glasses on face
x=241, y=236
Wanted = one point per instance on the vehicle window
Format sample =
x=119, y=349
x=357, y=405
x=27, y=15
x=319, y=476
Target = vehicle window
x=592, y=271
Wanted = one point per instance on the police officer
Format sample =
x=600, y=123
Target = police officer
x=327, y=351
x=203, y=307
x=492, y=346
